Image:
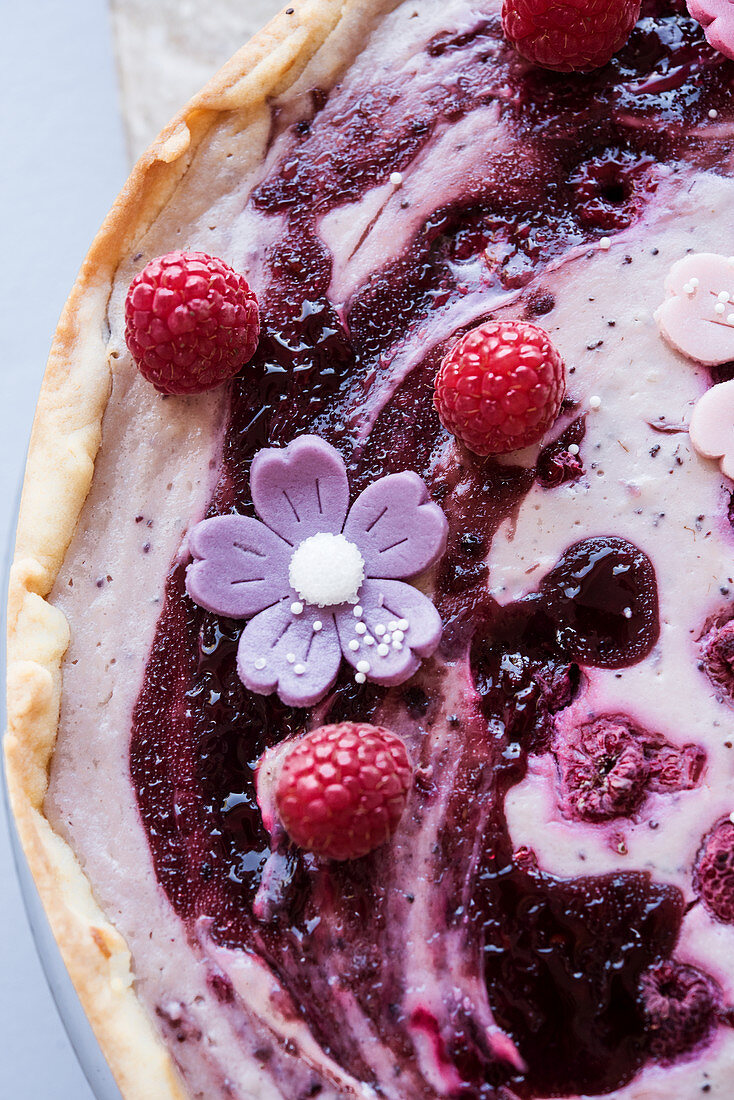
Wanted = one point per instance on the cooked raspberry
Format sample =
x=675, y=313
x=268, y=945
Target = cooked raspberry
x=713, y=879
x=501, y=387
x=717, y=651
x=609, y=766
x=191, y=322
x=569, y=35
x=342, y=789
x=679, y=1005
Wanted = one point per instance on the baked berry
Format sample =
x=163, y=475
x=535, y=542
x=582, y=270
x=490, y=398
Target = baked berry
x=500, y=387
x=342, y=789
x=679, y=1006
x=191, y=322
x=717, y=653
x=569, y=35
x=713, y=879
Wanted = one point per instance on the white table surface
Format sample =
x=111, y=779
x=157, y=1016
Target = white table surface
x=63, y=161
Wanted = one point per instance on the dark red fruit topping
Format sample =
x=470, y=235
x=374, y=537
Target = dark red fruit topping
x=556, y=463
x=610, y=189
x=717, y=654
x=603, y=598
x=610, y=765
x=713, y=879
x=191, y=322
x=679, y=1004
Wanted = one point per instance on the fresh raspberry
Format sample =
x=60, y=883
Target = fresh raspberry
x=569, y=35
x=191, y=322
x=501, y=387
x=342, y=789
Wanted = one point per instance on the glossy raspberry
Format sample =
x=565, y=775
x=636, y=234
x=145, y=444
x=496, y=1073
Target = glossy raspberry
x=501, y=387
x=713, y=879
x=679, y=1006
x=191, y=322
x=568, y=35
x=342, y=789
x=717, y=653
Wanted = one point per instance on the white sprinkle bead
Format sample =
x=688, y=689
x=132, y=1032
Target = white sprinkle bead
x=731, y=817
x=290, y=658
x=627, y=612
x=354, y=645
x=260, y=663
x=403, y=624
x=297, y=608
x=357, y=612
x=363, y=666
x=392, y=625
x=720, y=308
x=724, y=296
x=595, y=402
x=397, y=645
x=730, y=319
x=387, y=638
x=317, y=626
x=383, y=649
x=713, y=113
x=398, y=636
x=694, y=282
x=396, y=179
x=605, y=244
x=299, y=669
x=573, y=448
x=360, y=678
x=689, y=288
x=369, y=640
x=379, y=630
x=361, y=628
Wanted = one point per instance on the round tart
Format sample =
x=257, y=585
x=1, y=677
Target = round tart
x=350, y=761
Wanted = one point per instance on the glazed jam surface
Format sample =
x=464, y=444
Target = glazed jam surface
x=570, y=969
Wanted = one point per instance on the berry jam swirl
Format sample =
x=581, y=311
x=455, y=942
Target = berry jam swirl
x=547, y=986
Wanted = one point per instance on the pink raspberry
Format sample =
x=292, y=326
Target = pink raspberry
x=568, y=35
x=342, y=789
x=679, y=1004
x=191, y=322
x=501, y=387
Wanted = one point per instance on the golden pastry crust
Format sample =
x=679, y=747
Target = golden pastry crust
x=66, y=436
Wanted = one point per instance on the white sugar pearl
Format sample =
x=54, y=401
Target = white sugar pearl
x=573, y=449
x=689, y=288
x=398, y=636
x=724, y=296
x=730, y=319
x=290, y=658
x=361, y=628
x=363, y=666
x=713, y=113
x=297, y=608
x=354, y=645
x=392, y=625
x=627, y=612
x=299, y=669
x=369, y=640
x=317, y=626
x=731, y=817
x=605, y=244
x=260, y=663
x=397, y=645
x=383, y=649
x=403, y=624
x=379, y=630
x=694, y=282
x=357, y=612
x=719, y=308
x=396, y=178
x=387, y=638
x=595, y=402
x=360, y=678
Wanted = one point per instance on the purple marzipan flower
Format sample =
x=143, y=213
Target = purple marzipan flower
x=320, y=581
